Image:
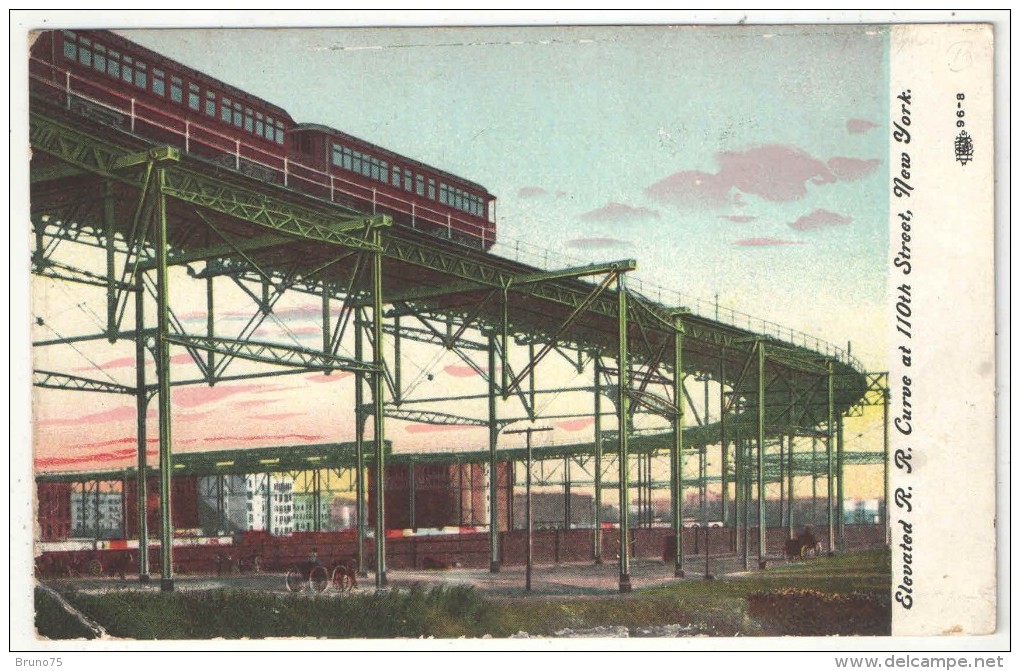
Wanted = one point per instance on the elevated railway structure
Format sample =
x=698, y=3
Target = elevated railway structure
x=153, y=212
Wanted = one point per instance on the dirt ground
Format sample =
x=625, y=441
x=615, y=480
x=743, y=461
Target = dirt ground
x=547, y=580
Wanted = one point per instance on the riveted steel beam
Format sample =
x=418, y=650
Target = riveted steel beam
x=511, y=281
x=218, y=251
x=103, y=158
x=256, y=208
x=271, y=353
x=52, y=380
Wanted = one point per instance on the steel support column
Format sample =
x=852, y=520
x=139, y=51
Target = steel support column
x=597, y=540
x=566, y=493
x=885, y=467
x=829, y=430
x=723, y=452
x=493, y=476
x=840, y=503
x=762, y=550
x=166, y=583
x=789, y=485
x=411, y=486
x=782, y=483
x=747, y=503
x=814, y=480
x=677, y=453
x=359, y=442
x=316, y=501
x=738, y=493
x=141, y=405
x=622, y=403
x=378, y=384
x=109, y=222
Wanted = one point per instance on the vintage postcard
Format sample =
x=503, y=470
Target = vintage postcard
x=506, y=334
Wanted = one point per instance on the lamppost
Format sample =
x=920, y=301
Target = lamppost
x=527, y=505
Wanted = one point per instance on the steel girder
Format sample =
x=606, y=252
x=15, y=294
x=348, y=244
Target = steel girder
x=271, y=353
x=99, y=157
x=51, y=380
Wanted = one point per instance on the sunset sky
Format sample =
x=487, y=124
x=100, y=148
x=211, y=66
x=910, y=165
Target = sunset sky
x=747, y=163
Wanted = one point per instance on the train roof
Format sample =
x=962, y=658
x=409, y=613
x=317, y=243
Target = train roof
x=110, y=37
x=392, y=155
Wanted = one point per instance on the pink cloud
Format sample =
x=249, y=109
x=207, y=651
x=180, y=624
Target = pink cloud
x=460, y=371
x=690, y=188
x=765, y=242
x=95, y=457
x=197, y=395
x=619, y=212
x=191, y=416
x=850, y=169
x=595, y=243
x=739, y=218
x=129, y=362
x=274, y=416
x=820, y=219
x=251, y=403
x=575, y=424
x=774, y=172
x=305, y=330
x=531, y=192
x=436, y=428
x=254, y=437
x=335, y=376
x=123, y=414
x=857, y=126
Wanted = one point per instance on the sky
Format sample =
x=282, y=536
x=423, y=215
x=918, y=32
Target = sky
x=744, y=165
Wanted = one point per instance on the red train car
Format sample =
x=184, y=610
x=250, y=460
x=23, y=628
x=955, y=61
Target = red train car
x=101, y=75
x=114, y=81
x=334, y=165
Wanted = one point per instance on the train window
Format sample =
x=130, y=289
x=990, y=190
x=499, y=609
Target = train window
x=140, y=75
x=85, y=52
x=259, y=124
x=113, y=64
x=443, y=193
x=356, y=162
x=419, y=185
x=192, y=96
x=396, y=176
x=99, y=58
x=159, y=83
x=279, y=132
x=249, y=122
x=210, y=103
x=384, y=172
x=225, y=106
x=177, y=90
x=407, y=180
x=269, y=128
x=70, y=48
x=237, y=115
x=373, y=168
x=432, y=189
x=127, y=71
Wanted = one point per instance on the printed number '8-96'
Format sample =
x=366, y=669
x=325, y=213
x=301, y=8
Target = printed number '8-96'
x=960, y=123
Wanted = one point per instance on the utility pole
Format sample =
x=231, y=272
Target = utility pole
x=527, y=505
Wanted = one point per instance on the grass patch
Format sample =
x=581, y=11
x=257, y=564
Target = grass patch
x=54, y=622
x=720, y=607
x=440, y=612
x=724, y=607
